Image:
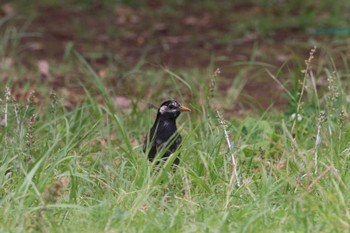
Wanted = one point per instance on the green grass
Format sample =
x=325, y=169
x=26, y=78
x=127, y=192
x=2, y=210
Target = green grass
x=82, y=170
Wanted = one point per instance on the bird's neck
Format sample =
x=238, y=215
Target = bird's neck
x=166, y=124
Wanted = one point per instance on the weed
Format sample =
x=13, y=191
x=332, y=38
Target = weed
x=81, y=169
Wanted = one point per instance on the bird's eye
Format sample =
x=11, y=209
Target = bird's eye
x=172, y=107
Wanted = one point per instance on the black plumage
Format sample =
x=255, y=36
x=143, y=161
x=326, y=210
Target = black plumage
x=163, y=134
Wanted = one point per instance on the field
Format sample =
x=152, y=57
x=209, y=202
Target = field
x=265, y=147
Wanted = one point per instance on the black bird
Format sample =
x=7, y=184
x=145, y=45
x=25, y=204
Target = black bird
x=163, y=134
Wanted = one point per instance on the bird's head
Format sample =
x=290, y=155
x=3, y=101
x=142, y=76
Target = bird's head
x=171, y=109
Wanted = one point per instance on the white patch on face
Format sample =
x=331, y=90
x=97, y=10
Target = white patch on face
x=163, y=109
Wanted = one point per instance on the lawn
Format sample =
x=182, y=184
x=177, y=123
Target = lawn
x=74, y=114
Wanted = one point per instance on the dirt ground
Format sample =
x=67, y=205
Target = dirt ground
x=180, y=37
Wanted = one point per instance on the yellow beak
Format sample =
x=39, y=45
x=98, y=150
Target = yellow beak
x=186, y=109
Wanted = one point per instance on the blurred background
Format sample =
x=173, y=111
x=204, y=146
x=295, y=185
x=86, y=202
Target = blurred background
x=133, y=45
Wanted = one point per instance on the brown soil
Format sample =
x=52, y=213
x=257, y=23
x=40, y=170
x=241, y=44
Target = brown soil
x=183, y=37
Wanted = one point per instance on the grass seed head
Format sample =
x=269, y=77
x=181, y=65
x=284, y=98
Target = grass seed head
x=31, y=98
x=30, y=132
x=332, y=87
x=342, y=117
x=321, y=117
x=212, y=88
x=309, y=60
x=53, y=104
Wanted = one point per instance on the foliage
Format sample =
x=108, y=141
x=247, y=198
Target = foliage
x=73, y=162
x=82, y=170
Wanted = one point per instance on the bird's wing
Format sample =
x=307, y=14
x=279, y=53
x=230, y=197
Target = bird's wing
x=171, y=145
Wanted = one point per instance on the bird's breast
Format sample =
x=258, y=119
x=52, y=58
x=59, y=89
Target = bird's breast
x=165, y=130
